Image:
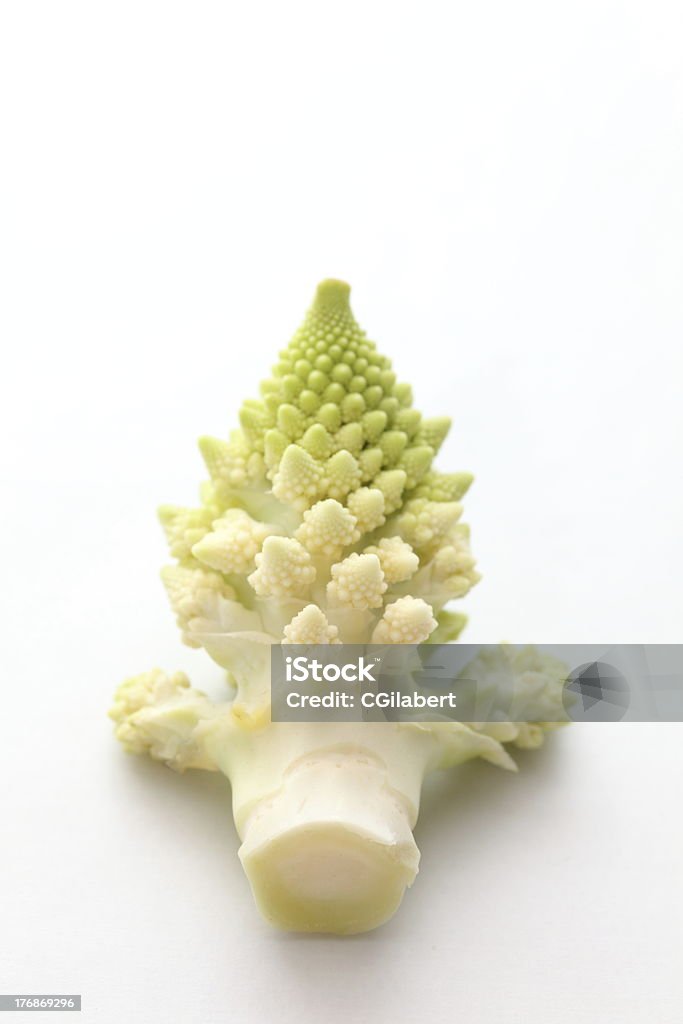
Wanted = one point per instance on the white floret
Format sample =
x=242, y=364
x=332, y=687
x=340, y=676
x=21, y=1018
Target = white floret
x=357, y=582
x=298, y=478
x=195, y=594
x=425, y=523
x=367, y=505
x=283, y=568
x=406, y=621
x=453, y=565
x=157, y=714
x=311, y=627
x=232, y=545
x=397, y=558
x=327, y=528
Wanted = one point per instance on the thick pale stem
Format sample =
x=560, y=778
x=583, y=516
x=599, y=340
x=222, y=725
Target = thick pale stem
x=332, y=850
x=329, y=846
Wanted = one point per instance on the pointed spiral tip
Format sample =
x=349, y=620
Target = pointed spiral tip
x=332, y=295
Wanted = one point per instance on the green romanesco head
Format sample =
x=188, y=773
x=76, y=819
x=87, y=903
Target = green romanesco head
x=324, y=515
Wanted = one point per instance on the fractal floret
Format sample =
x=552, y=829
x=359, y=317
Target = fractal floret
x=324, y=521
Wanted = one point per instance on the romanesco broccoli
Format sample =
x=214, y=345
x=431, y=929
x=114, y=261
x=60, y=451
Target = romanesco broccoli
x=323, y=521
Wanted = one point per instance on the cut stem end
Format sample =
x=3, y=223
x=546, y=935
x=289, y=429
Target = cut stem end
x=332, y=851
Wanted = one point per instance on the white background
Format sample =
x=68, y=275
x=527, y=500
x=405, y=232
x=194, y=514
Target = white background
x=501, y=184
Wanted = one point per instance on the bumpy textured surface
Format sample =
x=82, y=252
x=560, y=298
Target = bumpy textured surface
x=323, y=521
x=331, y=464
x=324, y=518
